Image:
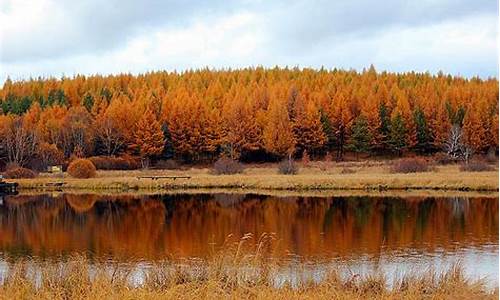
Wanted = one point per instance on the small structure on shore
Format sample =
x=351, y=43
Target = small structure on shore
x=8, y=188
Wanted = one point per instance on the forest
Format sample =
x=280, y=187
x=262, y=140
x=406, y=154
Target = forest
x=252, y=115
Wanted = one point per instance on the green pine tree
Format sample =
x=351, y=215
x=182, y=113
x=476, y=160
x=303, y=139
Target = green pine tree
x=168, y=147
x=423, y=134
x=88, y=102
x=328, y=130
x=385, y=125
x=360, y=138
x=397, y=137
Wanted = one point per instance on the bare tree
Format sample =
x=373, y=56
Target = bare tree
x=110, y=135
x=452, y=145
x=466, y=152
x=78, y=132
x=18, y=141
x=455, y=147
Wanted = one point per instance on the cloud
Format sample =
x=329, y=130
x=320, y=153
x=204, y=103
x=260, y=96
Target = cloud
x=45, y=37
x=41, y=29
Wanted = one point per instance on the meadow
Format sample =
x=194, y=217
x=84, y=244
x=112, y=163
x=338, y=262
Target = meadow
x=369, y=175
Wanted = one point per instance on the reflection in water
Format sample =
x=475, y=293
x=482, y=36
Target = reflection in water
x=153, y=227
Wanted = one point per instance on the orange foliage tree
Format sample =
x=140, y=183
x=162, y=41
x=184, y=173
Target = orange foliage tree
x=248, y=113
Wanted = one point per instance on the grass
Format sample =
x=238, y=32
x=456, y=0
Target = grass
x=242, y=270
x=317, y=176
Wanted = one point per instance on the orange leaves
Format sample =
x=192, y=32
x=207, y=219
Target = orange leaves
x=308, y=129
x=148, y=137
x=253, y=110
x=240, y=130
x=277, y=134
x=191, y=126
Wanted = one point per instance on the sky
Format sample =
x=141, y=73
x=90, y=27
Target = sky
x=68, y=37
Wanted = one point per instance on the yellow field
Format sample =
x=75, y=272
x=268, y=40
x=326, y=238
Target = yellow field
x=317, y=176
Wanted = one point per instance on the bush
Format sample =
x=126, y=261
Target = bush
x=18, y=173
x=411, y=165
x=168, y=164
x=305, y=158
x=443, y=159
x=491, y=156
x=82, y=168
x=115, y=163
x=476, y=166
x=328, y=157
x=347, y=170
x=226, y=166
x=288, y=167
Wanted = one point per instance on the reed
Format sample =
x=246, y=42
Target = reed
x=242, y=269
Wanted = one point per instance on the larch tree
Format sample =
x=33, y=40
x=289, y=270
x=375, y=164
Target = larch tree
x=277, y=133
x=473, y=130
x=207, y=111
x=240, y=129
x=148, y=137
x=308, y=130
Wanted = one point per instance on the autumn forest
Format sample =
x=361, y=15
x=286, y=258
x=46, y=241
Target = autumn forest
x=252, y=115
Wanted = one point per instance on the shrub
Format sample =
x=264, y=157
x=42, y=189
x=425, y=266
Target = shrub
x=411, y=165
x=115, y=163
x=491, y=156
x=328, y=157
x=347, y=170
x=226, y=165
x=443, y=159
x=476, y=166
x=168, y=164
x=81, y=168
x=323, y=165
x=305, y=158
x=18, y=173
x=11, y=165
x=288, y=167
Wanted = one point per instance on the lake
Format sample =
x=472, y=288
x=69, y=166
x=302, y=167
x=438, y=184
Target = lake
x=392, y=234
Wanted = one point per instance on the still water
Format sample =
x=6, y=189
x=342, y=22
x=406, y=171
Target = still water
x=364, y=233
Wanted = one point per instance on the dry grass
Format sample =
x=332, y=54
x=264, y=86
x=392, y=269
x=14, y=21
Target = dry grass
x=321, y=176
x=241, y=271
x=274, y=193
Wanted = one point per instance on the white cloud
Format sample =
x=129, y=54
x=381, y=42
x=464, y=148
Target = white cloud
x=35, y=43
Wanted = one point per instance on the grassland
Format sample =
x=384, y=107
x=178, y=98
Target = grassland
x=317, y=176
x=236, y=272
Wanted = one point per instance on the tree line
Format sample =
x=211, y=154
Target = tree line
x=251, y=114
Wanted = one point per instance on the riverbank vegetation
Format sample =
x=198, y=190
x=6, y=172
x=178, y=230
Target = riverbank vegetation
x=251, y=115
x=238, y=271
x=367, y=175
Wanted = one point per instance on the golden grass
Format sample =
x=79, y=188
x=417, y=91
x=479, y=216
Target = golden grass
x=273, y=193
x=317, y=176
x=240, y=271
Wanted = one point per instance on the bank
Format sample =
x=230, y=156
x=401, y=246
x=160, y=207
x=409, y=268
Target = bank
x=359, y=178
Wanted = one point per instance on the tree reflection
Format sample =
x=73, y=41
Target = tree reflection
x=185, y=225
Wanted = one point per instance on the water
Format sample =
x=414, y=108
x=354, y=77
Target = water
x=362, y=234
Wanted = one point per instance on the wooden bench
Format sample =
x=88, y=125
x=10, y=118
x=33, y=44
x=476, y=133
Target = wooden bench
x=56, y=184
x=163, y=177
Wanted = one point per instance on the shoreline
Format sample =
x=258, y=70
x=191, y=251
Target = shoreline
x=309, y=180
